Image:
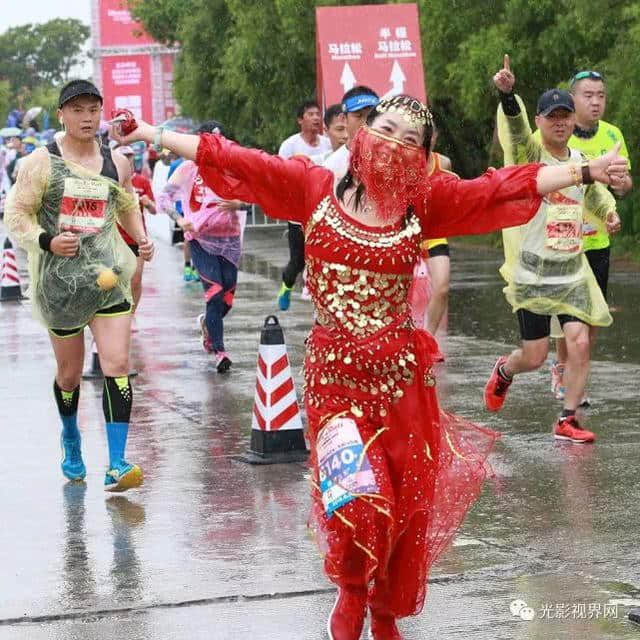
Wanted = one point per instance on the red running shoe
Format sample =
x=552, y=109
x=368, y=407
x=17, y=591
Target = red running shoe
x=347, y=616
x=383, y=628
x=569, y=429
x=496, y=388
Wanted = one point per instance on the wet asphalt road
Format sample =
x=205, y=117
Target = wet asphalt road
x=213, y=548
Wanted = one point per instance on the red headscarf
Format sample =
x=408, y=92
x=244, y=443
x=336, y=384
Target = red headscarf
x=394, y=173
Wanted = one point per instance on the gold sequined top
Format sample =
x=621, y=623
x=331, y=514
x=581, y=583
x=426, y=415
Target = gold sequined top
x=362, y=346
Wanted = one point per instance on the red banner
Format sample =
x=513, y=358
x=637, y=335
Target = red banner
x=167, y=85
x=126, y=84
x=117, y=27
x=374, y=45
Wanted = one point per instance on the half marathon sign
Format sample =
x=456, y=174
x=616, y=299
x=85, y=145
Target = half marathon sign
x=132, y=70
x=374, y=45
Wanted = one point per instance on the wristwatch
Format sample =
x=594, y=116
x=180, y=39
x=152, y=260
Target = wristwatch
x=586, y=173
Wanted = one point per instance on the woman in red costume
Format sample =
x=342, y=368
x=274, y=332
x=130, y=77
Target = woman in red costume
x=393, y=474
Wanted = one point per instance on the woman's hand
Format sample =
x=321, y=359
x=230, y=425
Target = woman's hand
x=144, y=131
x=146, y=249
x=609, y=167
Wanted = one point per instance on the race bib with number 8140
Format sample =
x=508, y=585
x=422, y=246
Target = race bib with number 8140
x=344, y=468
x=84, y=203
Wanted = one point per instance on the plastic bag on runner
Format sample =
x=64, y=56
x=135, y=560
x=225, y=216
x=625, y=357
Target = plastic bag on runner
x=54, y=195
x=218, y=231
x=545, y=267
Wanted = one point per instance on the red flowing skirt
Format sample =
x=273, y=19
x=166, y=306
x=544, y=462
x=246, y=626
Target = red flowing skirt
x=429, y=467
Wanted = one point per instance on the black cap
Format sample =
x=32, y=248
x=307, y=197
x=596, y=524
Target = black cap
x=77, y=88
x=555, y=99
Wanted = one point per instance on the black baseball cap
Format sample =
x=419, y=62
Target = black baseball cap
x=77, y=88
x=555, y=99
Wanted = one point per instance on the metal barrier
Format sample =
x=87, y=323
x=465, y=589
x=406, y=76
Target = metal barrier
x=257, y=218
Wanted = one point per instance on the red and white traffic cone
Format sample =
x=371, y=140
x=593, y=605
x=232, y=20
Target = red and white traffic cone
x=276, y=429
x=10, y=290
x=94, y=370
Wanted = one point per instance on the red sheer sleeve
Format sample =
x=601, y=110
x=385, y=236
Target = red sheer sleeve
x=285, y=189
x=500, y=198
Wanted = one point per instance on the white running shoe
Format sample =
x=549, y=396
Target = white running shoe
x=557, y=381
x=207, y=345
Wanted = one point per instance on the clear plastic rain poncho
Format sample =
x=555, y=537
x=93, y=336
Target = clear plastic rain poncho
x=545, y=267
x=219, y=232
x=54, y=195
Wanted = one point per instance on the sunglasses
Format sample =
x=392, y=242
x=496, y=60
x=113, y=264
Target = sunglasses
x=593, y=75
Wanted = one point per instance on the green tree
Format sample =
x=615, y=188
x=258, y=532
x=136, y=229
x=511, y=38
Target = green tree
x=246, y=64
x=548, y=41
x=163, y=18
x=37, y=54
x=5, y=100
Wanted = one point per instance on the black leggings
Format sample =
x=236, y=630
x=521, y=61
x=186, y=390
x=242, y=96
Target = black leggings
x=599, y=263
x=295, y=266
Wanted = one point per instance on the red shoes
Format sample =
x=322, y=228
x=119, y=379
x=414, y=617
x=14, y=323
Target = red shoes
x=496, y=388
x=383, y=628
x=346, y=619
x=383, y=622
x=569, y=429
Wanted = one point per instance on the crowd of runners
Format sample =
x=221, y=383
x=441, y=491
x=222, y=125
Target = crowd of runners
x=370, y=206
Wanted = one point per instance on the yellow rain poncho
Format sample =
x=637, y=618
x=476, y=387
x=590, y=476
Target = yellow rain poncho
x=545, y=267
x=53, y=195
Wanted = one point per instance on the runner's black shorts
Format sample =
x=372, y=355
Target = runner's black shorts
x=121, y=309
x=439, y=250
x=534, y=326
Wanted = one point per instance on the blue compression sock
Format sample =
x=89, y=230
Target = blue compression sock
x=117, y=439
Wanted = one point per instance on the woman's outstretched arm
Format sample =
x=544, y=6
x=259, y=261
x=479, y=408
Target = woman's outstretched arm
x=286, y=189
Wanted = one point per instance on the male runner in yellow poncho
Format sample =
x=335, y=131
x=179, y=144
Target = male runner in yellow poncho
x=63, y=210
x=545, y=268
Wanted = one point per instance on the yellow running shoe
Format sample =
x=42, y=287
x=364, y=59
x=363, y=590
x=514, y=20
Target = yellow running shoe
x=123, y=476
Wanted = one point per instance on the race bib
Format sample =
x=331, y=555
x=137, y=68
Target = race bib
x=84, y=203
x=344, y=468
x=564, y=228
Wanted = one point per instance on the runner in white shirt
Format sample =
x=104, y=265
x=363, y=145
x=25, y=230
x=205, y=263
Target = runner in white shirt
x=335, y=123
x=308, y=142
